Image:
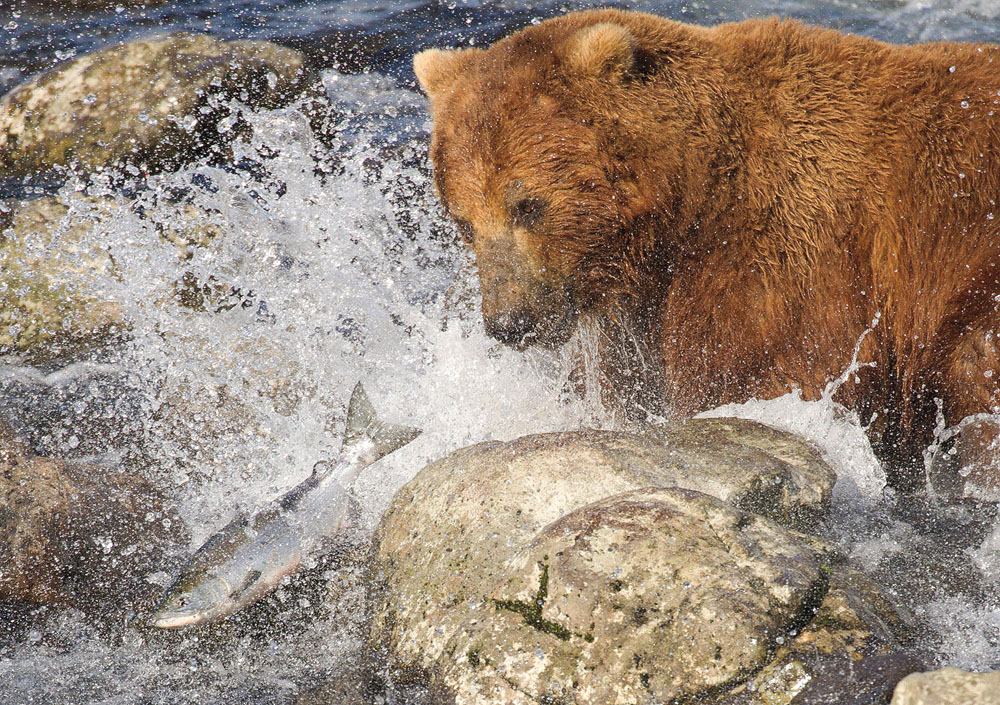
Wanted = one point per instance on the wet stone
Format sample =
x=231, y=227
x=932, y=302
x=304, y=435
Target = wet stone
x=655, y=594
x=49, y=275
x=949, y=686
x=449, y=531
x=54, y=267
x=595, y=567
x=154, y=103
x=80, y=535
x=855, y=637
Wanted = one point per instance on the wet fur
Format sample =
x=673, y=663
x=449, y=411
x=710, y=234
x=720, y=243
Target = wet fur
x=744, y=199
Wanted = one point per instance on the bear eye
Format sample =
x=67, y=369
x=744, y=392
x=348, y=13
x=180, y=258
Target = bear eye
x=528, y=211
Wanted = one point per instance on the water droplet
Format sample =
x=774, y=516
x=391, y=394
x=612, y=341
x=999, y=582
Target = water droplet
x=89, y=99
x=951, y=69
x=965, y=105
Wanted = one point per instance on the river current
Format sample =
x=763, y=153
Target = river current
x=348, y=270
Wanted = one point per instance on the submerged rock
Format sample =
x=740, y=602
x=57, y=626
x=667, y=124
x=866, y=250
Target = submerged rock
x=53, y=261
x=153, y=103
x=48, y=276
x=949, y=686
x=593, y=567
x=77, y=534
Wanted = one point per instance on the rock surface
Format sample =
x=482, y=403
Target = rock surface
x=48, y=271
x=849, y=654
x=655, y=595
x=949, y=686
x=76, y=534
x=572, y=567
x=152, y=103
x=52, y=261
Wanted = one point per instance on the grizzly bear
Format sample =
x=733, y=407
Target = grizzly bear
x=734, y=207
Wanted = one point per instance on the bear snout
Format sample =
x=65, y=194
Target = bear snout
x=511, y=327
x=549, y=324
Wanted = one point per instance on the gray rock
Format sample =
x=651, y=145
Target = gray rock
x=152, y=103
x=949, y=686
x=654, y=595
x=594, y=567
x=76, y=534
x=448, y=533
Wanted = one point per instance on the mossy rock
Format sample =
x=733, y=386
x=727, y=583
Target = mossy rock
x=49, y=274
x=54, y=264
x=602, y=567
x=154, y=103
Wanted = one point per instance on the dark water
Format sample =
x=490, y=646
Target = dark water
x=357, y=35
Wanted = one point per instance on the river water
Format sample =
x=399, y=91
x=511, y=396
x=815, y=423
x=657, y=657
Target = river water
x=348, y=272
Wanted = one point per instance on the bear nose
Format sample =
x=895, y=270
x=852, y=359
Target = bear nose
x=510, y=327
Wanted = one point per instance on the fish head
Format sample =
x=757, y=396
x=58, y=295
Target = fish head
x=193, y=602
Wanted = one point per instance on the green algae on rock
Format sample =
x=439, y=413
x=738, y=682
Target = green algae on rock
x=656, y=595
x=49, y=272
x=54, y=263
x=154, y=103
x=448, y=534
x=603, y=567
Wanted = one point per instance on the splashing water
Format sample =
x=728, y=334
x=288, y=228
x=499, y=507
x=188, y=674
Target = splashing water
x=314, y=261
x=322, y=267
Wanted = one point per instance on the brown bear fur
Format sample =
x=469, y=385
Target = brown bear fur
x=735, y=205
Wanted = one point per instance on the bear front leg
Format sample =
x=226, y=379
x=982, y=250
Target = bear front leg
x=971, y=467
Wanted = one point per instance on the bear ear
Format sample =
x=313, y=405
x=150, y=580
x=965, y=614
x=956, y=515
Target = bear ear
x=603, y=50
x=438, y=69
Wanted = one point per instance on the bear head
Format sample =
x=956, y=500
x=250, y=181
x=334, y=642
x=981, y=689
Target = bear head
x=553, y=154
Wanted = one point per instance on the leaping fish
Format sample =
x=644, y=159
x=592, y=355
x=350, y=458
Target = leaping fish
x=247, y=559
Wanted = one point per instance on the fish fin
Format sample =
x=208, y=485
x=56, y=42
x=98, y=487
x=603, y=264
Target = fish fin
x=352, y=515
x=251, y=578
x=363, y=423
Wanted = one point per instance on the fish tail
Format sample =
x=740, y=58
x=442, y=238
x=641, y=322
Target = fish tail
x=363, y=423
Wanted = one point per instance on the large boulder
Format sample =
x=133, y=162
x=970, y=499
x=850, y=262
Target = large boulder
x=78, y=534
x=949, y=686
x=152, y=103
x=654, y=594
x=596, y=567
